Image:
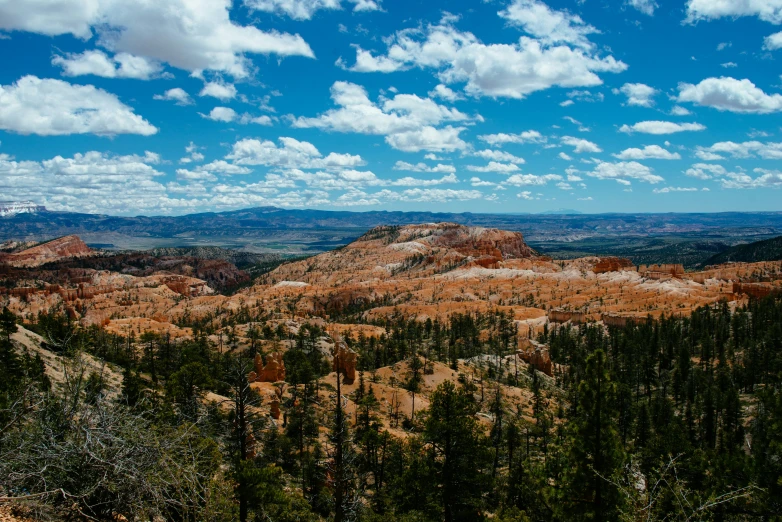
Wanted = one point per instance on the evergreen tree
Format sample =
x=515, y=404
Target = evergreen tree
x=595, y=449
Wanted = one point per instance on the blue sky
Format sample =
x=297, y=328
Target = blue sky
x=179, y=106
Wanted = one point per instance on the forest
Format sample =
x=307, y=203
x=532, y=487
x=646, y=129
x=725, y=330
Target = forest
x=678, y=418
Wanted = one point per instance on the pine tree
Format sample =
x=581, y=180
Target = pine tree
x=595, y=449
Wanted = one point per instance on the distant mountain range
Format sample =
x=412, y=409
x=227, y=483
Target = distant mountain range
x=271, y=229
x=766, y=250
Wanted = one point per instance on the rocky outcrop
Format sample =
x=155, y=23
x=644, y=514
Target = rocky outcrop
x=536, y=355
x=756, y=290
x=272, y=371
x=665, y=271
x=479, y=242
x=345, y=362
x=556, y=315
x=55, y=250
x=612, y=264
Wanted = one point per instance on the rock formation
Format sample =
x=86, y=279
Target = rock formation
x=665, y=271
x=612, y=264
x=64, y=247
x=536, y=355
x=556, y=315
x=272, y=371
x=345, y=362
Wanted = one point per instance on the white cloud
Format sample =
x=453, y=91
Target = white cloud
x=678, y=110
x=579, y=145
x=747, y=149
x=176, y=95
x=526, y=194
x=406, y=120
x=224, y=114
x=493, y=166
x=773, y=42
x=445, y=93
x=705, y=171
x=585, y=96
x=220, y=90
x=530, y=136
x=730, y=94
x=423, y=167
x=661, y=127
x=728, y=65
x=228, y=115
x=495, y=70
x=638, y=94
x=549, y=26
x=306, y=9
x=416, y=182
x=54, y=107
x=497, y=155
x=193, y=156
x=623, y=172
x=90, y=182
x=98, y=63
x=666, y=190
x=766, y=10
x=767, y=179
x=648, y=152
x=445, y=139
x=194, y=35
x=293, y=154
x=525, y=180
x=565, y=157
x=647, y=7
x=566, y=103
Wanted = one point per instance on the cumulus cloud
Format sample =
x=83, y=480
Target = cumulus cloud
x=648, y=152
x=646, y=7
x=445, y=93
x=497, y=155
x=51, y=107
x=423, y=167
x=666, y=190
x=177, y=95
x=218, y=89
x=766, y=10
x=766, y=179
x=678, y=110
x=524, y=180
x=228, y=115
x=638, y=94
x=493, y=166
x=406, y=120
x=194, y=35
x=292, y=154
x=540, y=21
x=730, y=94
x=579, y=145
x=625, y=171
x=223, y=114
x=747, y=149
x=661, y=127
x=530, y=136
x=98, y=63
x=90, y=182
x=306, y=9
x=773, y=42
x=705, y=171
x=497, y=70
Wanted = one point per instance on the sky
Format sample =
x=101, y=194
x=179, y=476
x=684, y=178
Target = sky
x=179, y=106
